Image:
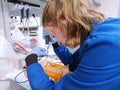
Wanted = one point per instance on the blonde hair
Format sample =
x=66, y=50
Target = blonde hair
x=72, y=17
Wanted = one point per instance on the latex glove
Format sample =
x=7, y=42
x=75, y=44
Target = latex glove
x=39, y=51
x=19, y=47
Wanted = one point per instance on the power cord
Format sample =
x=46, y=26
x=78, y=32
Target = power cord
x=19, y=75
x=35, y=19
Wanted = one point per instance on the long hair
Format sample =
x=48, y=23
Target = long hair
x=72, y=17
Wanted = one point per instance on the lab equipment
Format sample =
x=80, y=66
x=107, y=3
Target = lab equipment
x=33, y=43
x=48, y=38
x=22, y=17
x=55, y=71
x=16, y=35
x=39, y=51
x=19, y=48
x=5, y=48
x=6, y=52
x=27, y=19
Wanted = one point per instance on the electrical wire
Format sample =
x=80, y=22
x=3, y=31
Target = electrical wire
x=19, y=75
x=35, y=19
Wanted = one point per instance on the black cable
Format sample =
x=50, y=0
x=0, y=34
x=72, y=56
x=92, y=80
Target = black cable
x=18, y=75
x=35, y=19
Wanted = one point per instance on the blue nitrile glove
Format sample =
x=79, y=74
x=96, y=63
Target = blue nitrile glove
x=39, y=51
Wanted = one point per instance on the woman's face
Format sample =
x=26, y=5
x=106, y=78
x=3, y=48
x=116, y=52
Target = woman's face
x=56, y=33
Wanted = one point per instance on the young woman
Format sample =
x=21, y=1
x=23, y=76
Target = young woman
x=96, y=63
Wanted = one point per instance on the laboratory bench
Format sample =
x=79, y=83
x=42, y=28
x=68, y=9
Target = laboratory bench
x=16, y=77
x=12, y=74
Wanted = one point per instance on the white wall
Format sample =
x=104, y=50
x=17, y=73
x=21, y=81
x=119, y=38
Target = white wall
x=110, y=7
x=4, y=20
x=119, y=10
x=1, y=20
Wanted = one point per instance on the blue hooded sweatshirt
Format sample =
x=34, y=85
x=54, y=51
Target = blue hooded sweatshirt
x=94, y=66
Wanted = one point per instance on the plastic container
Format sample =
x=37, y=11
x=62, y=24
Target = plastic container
x=55, y=71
